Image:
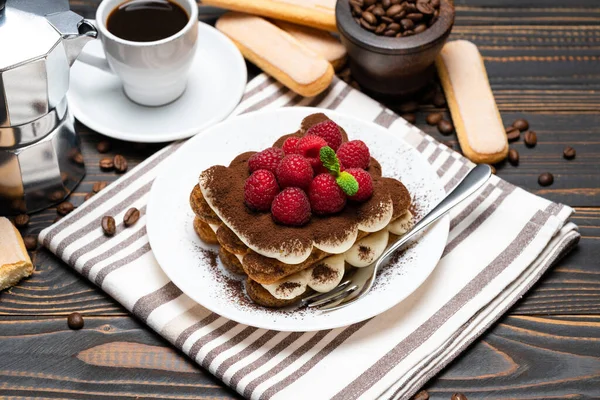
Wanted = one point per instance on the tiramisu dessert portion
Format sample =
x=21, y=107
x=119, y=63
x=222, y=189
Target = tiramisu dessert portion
x=295, y=217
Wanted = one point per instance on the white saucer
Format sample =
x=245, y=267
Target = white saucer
x=216, y=83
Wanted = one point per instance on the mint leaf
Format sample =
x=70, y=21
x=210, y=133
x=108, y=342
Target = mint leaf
x=348, y=183
x=329, y=160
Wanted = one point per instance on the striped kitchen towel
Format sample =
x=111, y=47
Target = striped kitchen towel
x=499, y=245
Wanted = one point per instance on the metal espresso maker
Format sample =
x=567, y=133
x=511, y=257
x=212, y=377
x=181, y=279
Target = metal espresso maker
x=40, y=157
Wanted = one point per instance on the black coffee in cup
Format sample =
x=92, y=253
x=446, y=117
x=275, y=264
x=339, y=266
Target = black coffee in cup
x=146, y=20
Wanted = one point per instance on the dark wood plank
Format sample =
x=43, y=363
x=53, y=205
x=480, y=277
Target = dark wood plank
x=528, y=358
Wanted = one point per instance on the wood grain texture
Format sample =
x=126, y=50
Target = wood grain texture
x=543, y=60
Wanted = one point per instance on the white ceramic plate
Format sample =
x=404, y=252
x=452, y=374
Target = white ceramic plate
x=185, y=259
x=215, y=86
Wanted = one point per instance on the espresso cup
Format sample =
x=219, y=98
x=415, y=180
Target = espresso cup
x=153, y=73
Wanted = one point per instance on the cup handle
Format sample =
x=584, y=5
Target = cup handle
x=95, y=61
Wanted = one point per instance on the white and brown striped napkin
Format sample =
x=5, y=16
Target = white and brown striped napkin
x=500, y=243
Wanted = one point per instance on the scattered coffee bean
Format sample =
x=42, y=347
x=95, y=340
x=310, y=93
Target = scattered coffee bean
x=56, y=195
x=521, y=124
x=434, y=118
x=131, y=216
x=459, y=396
x=30, y=242
x=120, y=163
x=422, y=395
x=58, y=218
x=64, y=208
x=21, y=220
x=103, y=146
x=546, y=179
x=410, y=117
x=513, y=157
x=448, y=144
x=88, y=196
x=439, y=100
x=64, y=177
x=402, y=17
x=530, y=139
x=108, y=225
x=569, y=153
x=445, y=127
x=75, y=321
x=409, y=107
x=98, y=186
x=77, y=158
x=513, y=134
x=107, y=164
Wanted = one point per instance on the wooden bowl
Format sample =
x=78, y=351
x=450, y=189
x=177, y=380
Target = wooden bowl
x=392, y=66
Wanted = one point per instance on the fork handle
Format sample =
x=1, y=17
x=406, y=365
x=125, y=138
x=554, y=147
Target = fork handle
x=473, y=181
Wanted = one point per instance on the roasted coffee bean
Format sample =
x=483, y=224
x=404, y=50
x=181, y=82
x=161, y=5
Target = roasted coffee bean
x=21, y=221
x=409, y=32
x=64, y=208
x=356, y=11
x=131, y=216
x=88, y=196
x=415, y=17
x=422, y=395
x=394, y=27
x=513, y=134
x=103, y=146
x=420, y=28
x=120, y=163
x=98, y=186
x=448, y=144
x=64, y=177
x=58, y=218
x=386, y=4
x=30, y=242
x=425, y=8
x=75, y=321
x=357, y=20
x=378, y=11
x=369, y=17
x=368, y=3
x=398, y=17
x=387, y=20
x=459, y=396
x=399, y=34
x=410, y=117
x=106, y=164
x=77, y=158
x=370, y=8
x=510, y=129
x=546, y=179
x=108, y=225
x=434, y=118
x=445, y=127
x=569, y=153
x=435, y=3
x=396, y=2
x=521, y=124
x=407, y=24
x=380, y=28
x=366, y=25
x=357, y=3
x=393, y=10
x=409, y=107
x=513, y=157
x=530, y=139
x=389, y=33
x=439, y=100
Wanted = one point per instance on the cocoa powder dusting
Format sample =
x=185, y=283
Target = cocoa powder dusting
x=322, y=273
x=364, y=252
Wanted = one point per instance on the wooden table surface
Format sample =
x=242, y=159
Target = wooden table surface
x=543, y=60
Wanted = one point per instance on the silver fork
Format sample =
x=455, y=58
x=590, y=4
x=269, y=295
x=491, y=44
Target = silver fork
x=361, y=281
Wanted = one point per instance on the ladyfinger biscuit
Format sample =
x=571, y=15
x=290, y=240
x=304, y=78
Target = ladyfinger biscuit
x=277, y=53
x=474, y=111
x=321, y=42
x=204, y=232
x=15, y=263
x=319, y=14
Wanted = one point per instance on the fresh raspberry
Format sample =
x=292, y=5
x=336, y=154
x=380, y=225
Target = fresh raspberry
x=290, y=144
x=326, y=197
x=267, y=159
x=310, y=146
x=260, y=189
x=291, y=207
x=365, y=184
x=354, y=154
x=328, y=130
x=294, y=170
